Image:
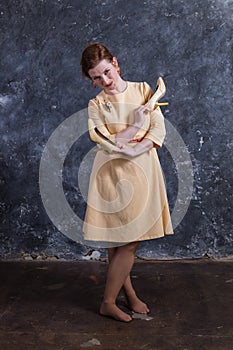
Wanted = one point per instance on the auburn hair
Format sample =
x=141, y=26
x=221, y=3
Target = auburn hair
x=92, y=55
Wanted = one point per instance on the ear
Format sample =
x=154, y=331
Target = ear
x=115, y=62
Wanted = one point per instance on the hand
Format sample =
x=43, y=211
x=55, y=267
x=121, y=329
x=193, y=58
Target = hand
x=121, y=140
x=128, y=151
x=141, y=147
x=140, y=113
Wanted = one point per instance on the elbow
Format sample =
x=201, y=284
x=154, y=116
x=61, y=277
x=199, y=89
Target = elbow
x=148, y=143
x=94, y=136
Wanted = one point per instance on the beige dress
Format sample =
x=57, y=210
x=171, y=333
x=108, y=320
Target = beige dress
x=127, y=198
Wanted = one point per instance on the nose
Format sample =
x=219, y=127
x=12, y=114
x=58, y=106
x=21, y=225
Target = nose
x=105, y=79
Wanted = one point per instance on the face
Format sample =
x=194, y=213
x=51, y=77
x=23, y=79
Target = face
x=105, y=75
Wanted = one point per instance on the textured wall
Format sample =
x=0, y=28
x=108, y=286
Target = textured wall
x=188, y=42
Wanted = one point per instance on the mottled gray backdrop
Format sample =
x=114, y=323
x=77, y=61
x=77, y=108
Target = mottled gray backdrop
x=189, y=43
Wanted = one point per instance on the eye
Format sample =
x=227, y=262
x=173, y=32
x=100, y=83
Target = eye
x=106, y=71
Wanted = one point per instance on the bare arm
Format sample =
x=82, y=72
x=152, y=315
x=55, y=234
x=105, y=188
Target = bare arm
x=125, y=136
x=144, y=146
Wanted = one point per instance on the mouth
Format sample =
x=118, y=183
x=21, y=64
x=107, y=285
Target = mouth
x=108, y=85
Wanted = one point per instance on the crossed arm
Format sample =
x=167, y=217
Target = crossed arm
x=125, y=136
x=120, y=141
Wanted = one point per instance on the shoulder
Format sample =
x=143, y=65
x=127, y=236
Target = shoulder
x=143, y=87
x=96, y=101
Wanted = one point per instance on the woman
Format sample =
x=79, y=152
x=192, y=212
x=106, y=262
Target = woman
x=127, y=200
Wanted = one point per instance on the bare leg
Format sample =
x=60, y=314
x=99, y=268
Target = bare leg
x=134, y=302
x=119, y=268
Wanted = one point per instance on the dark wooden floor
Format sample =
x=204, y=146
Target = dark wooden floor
x=54, y=305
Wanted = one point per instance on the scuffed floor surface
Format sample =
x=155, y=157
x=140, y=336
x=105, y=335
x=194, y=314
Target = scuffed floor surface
x=54, y=305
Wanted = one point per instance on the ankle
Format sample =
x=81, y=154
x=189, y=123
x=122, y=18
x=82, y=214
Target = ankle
x=131, y=294
x=108, y=302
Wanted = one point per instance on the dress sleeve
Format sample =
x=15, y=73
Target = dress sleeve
x=157, y=131
x=97, y=129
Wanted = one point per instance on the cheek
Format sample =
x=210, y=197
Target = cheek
x=99, y=83
x=114, y=74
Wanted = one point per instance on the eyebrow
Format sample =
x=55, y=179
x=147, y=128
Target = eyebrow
x=98, y=76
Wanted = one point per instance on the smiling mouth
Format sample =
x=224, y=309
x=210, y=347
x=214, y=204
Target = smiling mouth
x=109, y=85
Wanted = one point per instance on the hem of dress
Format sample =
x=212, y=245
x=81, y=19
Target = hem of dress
x=139, y=239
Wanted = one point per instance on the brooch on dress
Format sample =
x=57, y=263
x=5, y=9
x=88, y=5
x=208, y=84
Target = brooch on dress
x=107, y=105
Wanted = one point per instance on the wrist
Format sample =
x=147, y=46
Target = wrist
x=138, y=125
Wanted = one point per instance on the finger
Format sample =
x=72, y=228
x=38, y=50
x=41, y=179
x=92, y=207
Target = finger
x=145, y=109
x=119, y=144
x=140, y=108
x=116, y=149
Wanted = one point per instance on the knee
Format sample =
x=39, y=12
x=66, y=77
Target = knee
x=130, y=248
